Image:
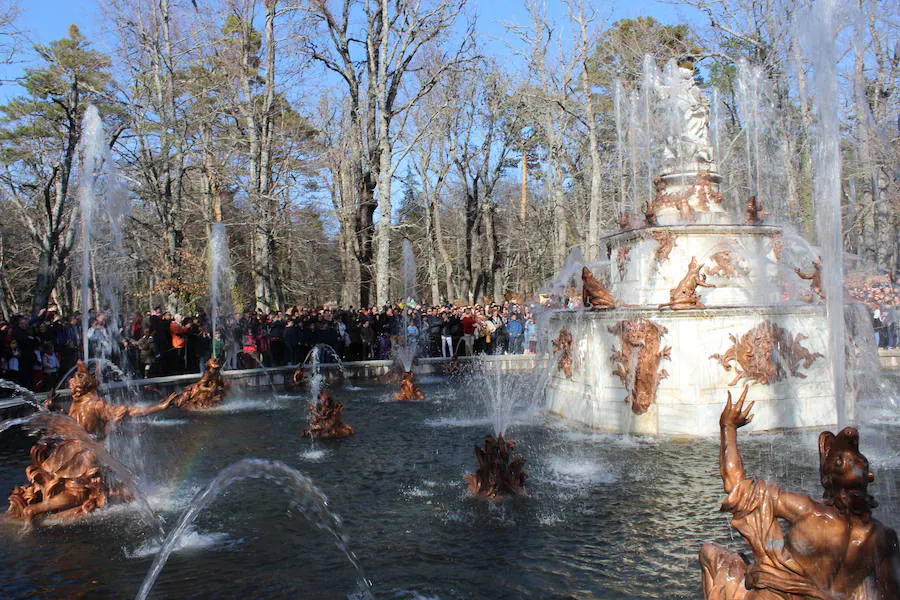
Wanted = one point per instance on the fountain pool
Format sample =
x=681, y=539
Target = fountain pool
x=605, y=516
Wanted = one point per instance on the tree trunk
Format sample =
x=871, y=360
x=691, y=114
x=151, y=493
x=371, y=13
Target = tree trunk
x=46, y=279
x=260, y=133
x=560, y=241
x=383, y=231
x=431, y=258
x=492, y=250
x=365, y=212
x=449, y=288
x=472, y=210
x=596, y=201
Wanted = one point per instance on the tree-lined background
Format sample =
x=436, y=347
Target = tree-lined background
x=324, y=133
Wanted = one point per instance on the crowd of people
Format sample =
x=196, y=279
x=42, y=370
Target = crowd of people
x=36, y=351
x=883, y=301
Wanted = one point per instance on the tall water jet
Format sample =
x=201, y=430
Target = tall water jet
x=305, y=497
x=219, y=278
x=621, y=148
x=104, y=204
x=500, y=473
x=749, y=100
x=820, y=45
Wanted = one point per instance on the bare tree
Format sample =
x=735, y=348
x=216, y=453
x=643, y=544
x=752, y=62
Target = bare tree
x=548, y=99
x=373, y=63
x=583, y=54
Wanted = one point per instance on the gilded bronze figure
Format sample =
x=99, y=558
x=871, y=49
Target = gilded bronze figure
x=408, y=388
x=499, y=472
x=754, y=214
x=593, y=294
x=637, y=361
x=325, y=419
x=803, y=549
x=666, y=240
x=95, y=414
x=725, y=265
x=563, y=345
x=766, y=354
x=208, y=392
x=622, y=257
x=66, y=477
x=815, y=281
x=684, y=295
x=299, y=378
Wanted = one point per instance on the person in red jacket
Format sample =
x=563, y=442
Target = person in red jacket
x=179, y=342
x=468, y=329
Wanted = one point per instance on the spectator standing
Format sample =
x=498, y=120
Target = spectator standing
x=515, y=331
x=179, y=335
x=468, y=332
x=50, y=360
x=531, y=336
x=291, y=338
x=447, y=337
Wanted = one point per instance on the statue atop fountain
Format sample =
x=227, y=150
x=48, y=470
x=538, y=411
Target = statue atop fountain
x=499, y=473
x=830, y=549
x=689, y=142
x=688, y=187
x=66, y=477
x=325, y=419
x=208, y=392
x=408, y=388
x=95, y=414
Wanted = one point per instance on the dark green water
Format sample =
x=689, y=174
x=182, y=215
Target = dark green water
x=605, y=517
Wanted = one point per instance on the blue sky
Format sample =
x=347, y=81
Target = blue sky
x=45, y=20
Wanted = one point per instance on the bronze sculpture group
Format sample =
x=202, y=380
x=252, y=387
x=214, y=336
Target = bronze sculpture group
x=68, y=476
x=802, y=548
x=499, y=473
x=408, y=388
x=325, y=419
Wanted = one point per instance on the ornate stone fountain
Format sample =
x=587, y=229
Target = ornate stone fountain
x=692, y=305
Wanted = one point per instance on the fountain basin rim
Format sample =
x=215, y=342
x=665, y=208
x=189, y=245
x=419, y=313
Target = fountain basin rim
x=682, y=437
x=524, y=359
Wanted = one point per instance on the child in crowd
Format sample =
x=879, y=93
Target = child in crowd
x=50, y=360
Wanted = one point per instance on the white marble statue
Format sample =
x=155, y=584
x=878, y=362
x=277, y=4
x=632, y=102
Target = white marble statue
x=687, y=145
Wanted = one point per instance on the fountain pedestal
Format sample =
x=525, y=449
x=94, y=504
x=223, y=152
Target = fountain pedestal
x=624, y=381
